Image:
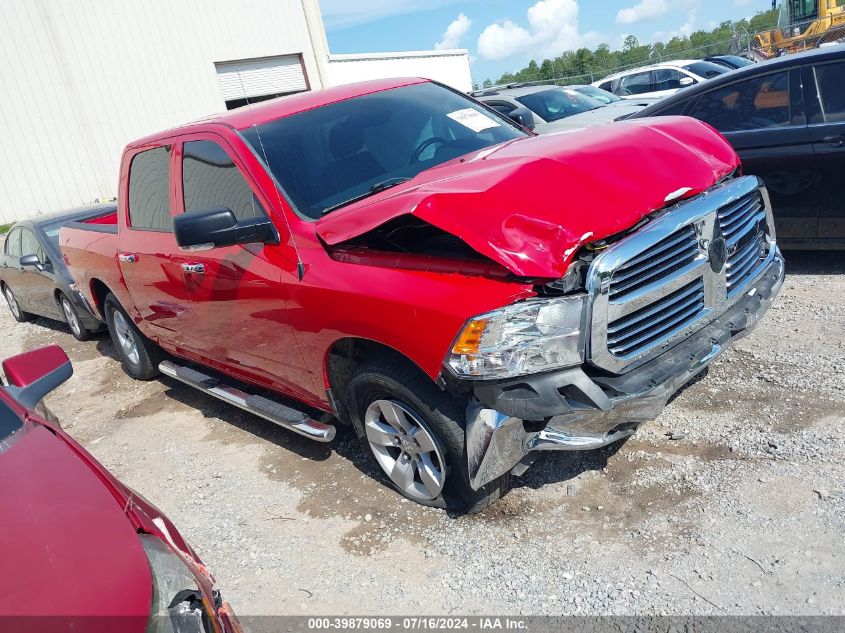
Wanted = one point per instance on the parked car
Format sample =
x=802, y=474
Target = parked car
x=730, y=62
x=660, y=80
x=608, y=98
x=34, y=279
x=82, y=551
x=554, y=108
x=786, y=118
x=463, y=292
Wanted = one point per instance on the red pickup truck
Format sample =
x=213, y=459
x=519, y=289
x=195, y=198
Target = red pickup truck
x=398, y=256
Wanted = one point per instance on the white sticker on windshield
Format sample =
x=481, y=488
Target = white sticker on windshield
x=473, y=119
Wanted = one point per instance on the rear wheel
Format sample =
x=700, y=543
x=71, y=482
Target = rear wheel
x=139, y=355
x=415, y=433
x=73, y=321
x=17, y=312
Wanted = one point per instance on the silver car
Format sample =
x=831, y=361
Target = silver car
x=555, y=108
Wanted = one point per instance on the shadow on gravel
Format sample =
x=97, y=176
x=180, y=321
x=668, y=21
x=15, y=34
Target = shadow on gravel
x=262, y=429
x=815, y=262
x=555, y=467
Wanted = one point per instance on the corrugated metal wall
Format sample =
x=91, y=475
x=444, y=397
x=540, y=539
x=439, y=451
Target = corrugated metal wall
x=80, y=79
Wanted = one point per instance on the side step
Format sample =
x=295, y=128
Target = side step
x=296, y=421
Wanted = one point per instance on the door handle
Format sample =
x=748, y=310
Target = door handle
x=128, y=258
x=835, y=141
x=194, y=269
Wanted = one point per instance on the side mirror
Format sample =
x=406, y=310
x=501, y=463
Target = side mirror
x=686, y=81
x=215, y=227
x=33, y=375
x=31, y=260
x=523, y=116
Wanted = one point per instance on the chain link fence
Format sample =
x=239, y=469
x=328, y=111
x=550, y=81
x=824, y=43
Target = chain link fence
x=741, y=43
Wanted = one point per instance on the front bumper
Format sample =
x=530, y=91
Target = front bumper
x=581, y=409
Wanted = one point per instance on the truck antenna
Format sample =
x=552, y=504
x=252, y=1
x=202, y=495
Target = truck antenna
x=300, y=266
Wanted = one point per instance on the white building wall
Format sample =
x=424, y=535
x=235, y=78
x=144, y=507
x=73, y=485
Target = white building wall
x=450, y=67
x=79, y=79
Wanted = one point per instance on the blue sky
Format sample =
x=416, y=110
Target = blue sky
x=502, y=35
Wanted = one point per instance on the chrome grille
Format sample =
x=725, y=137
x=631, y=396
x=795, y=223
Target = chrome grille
x=742, y=216
x=742, y=263
x=637, y=331
x=742, y=224
x=676, y=273
x=664, y=258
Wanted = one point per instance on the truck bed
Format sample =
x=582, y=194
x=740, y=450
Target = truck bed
x=89, y=249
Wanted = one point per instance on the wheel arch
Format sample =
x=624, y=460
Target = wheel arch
x=344, y=356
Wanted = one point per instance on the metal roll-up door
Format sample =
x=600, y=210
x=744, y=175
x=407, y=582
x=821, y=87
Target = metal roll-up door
x=261, y=77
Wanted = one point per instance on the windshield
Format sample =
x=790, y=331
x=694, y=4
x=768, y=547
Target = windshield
x=707, y=70
x=338, y=153
x=597, y=93
x=558, y=103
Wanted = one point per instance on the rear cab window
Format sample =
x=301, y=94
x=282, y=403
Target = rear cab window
x=149, y=190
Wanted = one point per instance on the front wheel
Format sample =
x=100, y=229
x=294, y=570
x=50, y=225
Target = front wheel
x=78, y=330
x=415, y=433
x=17, y=312
x=139, y=356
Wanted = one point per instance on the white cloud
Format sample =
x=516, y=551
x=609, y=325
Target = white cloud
x=644, y=10
x=454, y=33
x=339, y=14
x=552, y=29
x=685, y=30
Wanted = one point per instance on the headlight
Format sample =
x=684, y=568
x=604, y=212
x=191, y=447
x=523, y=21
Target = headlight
x=178, y=606
x=529, y=337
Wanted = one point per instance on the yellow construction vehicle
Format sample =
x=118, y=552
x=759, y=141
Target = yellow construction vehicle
x=802, y=24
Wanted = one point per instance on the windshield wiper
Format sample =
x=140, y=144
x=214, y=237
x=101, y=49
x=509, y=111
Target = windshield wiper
x=376, y=188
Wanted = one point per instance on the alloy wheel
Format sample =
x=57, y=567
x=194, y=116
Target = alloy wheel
x=125, y=337
x=13, y=303
x=405, y=449
x=71, y=318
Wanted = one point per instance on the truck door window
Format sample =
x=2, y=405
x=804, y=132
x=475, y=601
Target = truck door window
x=210, y=178
x=13, y=243
x=830, y=79
x=149, y=187
x=762, y=102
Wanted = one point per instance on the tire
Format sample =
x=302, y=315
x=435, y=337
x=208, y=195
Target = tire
x=416, y=400
x=139, y=356
x=79, y=331
x=20, y=315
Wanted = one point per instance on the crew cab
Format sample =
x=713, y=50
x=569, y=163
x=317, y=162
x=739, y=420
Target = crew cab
x=396, y=256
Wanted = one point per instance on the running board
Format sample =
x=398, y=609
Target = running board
x=289, y=418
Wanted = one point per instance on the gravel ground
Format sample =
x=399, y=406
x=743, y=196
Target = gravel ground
x=743, y=512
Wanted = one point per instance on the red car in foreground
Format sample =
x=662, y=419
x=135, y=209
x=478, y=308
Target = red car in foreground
x=406, y=260
x=79, y=551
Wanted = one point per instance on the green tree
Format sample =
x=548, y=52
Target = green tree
x=584, y=64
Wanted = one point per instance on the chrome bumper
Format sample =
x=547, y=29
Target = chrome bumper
x=590, y=411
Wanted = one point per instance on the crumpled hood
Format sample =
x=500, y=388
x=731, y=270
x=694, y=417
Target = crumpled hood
x=67, y=547
x=529, y=204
